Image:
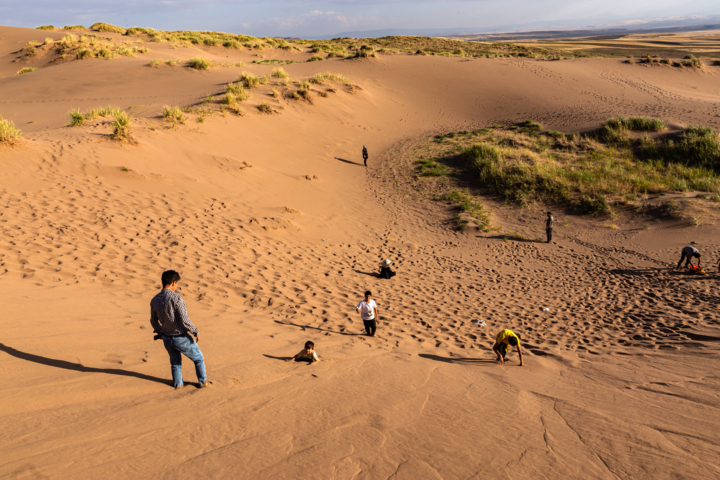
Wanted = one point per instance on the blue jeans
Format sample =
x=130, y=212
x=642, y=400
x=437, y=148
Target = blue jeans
x=186, y=345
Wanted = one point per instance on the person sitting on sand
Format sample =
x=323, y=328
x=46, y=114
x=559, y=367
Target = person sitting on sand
x=385, y=270
x=369, y=313
x=365, y=154
x=169, y=318
x=549, y=226
x=504, y=340
x=688, y=252
x=307, y=354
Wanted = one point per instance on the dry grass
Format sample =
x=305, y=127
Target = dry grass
x=106, y=27
x=9, y=134
x=327, y=77
x=26, y=70
x=279, y=73
x=173, y=115
x=78, y=117
x=265, y=108
x=123, y=128
x=200, y=63
x=249, y=80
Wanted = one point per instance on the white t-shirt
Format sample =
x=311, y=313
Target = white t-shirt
x=691, y=251
x=367, y=309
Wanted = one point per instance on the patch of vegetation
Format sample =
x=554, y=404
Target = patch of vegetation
x=692, y=62
x=73, y=27
x=636, y=124
x=316, y=58
x=273, y=62
x=106, y=27
x=123, y=127
x=265, y=108
x=9, y=134
x=249, y=80
x=471, y=206
x=238, y=91
x=158, y=62
x=78, y=117
x=430, y=168
x=46, y=27
x=25, y=70
x=327, y=77
x=279, y=73
x=173, y=115
x=199, y=63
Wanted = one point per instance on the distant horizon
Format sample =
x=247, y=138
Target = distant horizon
x=318, y=19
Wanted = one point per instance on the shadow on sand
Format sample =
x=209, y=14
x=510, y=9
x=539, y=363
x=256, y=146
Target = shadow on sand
x=50, y=362
x=350, y=162
x=457, y=360
x=319, y=329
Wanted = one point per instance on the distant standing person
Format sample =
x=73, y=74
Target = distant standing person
x=385, y=270
x=369, y=313
x=688, y=252
x=365, y=154
x=169, y=318
x=549, y=226
x=504, y=340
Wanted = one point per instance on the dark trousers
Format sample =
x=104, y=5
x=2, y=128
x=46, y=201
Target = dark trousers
x=683, y=257
x=549, y=235
x=503, y=349
x=365, y=157
x=370, y=326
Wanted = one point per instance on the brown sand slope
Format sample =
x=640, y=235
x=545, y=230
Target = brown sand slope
x=277, y=229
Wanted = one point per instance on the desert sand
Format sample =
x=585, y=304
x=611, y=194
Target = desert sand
x=277, y=229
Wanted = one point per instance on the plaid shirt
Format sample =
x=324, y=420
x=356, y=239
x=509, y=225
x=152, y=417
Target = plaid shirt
x=168, y=314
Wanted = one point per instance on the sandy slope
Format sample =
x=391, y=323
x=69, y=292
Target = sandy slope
x=277, y=229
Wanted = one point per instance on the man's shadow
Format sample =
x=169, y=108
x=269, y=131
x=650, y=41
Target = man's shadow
x=348, y=161
x=50, y=362
x=319, y=329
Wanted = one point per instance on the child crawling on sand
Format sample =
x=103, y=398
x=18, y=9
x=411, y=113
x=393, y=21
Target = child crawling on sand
x=307, y=354
x=504, y=340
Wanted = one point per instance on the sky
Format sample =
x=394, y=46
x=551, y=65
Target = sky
x=321, y=18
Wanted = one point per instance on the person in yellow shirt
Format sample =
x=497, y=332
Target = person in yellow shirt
x=504, y=340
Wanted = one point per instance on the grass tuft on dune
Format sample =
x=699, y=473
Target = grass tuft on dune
x=26, y=70
x=9, y=134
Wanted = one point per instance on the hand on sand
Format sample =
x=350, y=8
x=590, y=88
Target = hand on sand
x=501, y=361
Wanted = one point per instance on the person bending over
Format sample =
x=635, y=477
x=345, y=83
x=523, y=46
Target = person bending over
x=688, y=252
x=169, y=318
x=307, y=354
x=385, y=270
x=504, y=340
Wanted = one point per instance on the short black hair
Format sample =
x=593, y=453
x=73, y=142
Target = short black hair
x=368, y=293
x=513, y=341
x=170, y=277
x=697, y=254
x=549, y=213
x=309, y=345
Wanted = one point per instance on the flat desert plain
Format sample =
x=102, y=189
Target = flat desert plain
x=277, y=229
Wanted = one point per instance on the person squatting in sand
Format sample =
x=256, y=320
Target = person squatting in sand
x=307, y=354
x=549, y=226
x=385, y=270
x=688, y=252
x=169, y=318
x=504, y=340
x=365, y=154
x=369, y=313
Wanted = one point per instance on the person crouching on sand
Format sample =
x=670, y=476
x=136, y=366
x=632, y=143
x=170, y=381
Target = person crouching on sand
x=369, y=313
x=504, y=340
x=307, y=354
x=385, y=270
x=688, y=252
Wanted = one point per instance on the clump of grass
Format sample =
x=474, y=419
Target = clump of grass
x=273, y=62
x=430, y=168
x=636, y=124
x=123, y=127
x=232, y=44
x=73, y=27
x=238, y=91
x=316, y=58
x=25, y=70
x=327, y=77
x=249, y=80
x=697, y=146
x=275, y=93
x=106, y=27
x=265, y=108
x=470, y=205
x=692, y=62
x=9, y=134
x=173, y=115
x=76, y=118
x=158, y=62
x=46, y=27
x=199, y=63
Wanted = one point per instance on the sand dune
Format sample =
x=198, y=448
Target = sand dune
x=277, y=229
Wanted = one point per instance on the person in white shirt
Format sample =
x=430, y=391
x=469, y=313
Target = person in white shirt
x=369, y=313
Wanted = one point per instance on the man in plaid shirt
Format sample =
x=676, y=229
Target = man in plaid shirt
x=169, y=318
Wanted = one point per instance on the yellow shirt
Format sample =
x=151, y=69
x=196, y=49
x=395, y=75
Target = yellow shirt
x=503, y=336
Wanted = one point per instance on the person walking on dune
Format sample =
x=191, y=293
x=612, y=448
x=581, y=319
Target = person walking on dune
x=169, y=318
x=365, y=154
x=549, y=226
x=369, y=313
x=504, y=340
x=688, y=252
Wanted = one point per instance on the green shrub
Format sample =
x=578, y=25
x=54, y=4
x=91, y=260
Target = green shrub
x=73, y=27
x=430, y=168
x=9, y=135
x=76, y=118
x=249, y=80
x=25, y=70
x=136, y=31
x=323, y=78
x=85, y=53
x=636, y=124
x=199, y=63
x=46, y=27
x=316, y=58
x=106, y=27
x=123, y=127
x=173, y=114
